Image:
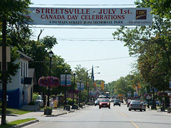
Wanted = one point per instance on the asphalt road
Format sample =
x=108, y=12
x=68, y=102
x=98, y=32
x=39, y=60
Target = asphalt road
x=116, y=117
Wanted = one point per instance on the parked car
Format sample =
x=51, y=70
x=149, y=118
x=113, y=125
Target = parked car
x=116, y=102
x=143, y=106
x=104, y=103
x=136, y=105
x=39, y=101
x=96, y=102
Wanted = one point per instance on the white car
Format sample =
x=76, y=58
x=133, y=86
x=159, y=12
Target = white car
x=137, y=105
x=39, y=101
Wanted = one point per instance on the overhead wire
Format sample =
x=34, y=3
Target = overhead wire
x=101, y=59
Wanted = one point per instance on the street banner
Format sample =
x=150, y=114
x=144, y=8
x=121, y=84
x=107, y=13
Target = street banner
x=82, y=86
x=129, y=94
x=135, y=94
x=169, y=84
x=62, y=80
x=139, y=86
x=68, y=82
x=90, y=16
x=102, y=85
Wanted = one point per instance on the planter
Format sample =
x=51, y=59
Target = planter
x=67, y=108
x=47, y=111
x=74, y=106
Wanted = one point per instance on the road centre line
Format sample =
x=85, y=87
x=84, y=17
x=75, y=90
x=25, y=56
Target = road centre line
x=134, y=124
x=122, y=114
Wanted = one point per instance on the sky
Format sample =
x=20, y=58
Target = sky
x=92, y=45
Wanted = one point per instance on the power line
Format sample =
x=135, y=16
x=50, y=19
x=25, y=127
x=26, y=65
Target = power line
x=101, y=59
x=84, y=40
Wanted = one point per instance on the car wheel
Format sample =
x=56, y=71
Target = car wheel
x=109, y=107
x=99, y=107
x=129, y=109
x=144, y=109
x=141, y=110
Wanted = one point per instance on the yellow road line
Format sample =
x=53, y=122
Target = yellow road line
x=134, y=124
x=122, y=114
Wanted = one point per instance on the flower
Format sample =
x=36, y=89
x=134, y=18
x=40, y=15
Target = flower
x=48, y=81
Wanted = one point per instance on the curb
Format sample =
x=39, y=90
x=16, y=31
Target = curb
x=25, y=124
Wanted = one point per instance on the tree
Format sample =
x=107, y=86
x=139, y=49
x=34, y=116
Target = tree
x=152, y=47
x=13, y=13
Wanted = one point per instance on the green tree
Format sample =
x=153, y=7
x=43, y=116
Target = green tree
x=152, y=46
x=13, y=12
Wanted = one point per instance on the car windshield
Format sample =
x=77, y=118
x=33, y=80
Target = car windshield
x=117, y=100
x=135, y=102
x=104, y=100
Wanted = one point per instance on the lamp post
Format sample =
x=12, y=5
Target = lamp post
x=65, y=87
x=50, y=56
x=80, y=92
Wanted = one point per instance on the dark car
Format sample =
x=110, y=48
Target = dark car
x=96, y=102
x=116, y=102
x=105, y=103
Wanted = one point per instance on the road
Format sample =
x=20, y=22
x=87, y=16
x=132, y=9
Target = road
x=116, y=117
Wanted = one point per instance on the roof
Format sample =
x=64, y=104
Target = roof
x=25, y=56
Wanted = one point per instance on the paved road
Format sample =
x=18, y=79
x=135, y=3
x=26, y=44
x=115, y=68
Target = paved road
x=116, y=117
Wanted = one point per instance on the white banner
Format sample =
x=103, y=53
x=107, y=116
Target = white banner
x=90, y=16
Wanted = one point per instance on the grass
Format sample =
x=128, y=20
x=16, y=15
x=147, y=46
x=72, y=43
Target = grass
x=14, y=111
x=16, y=122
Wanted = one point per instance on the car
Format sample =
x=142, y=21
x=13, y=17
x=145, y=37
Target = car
x=96, y=102
x=116, y=102
x=143, y=106
x=105, y=103
x=39, y=101
x=112, y=100
x=136, y=105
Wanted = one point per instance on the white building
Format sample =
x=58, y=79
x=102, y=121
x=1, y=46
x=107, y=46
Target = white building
x=20, y=90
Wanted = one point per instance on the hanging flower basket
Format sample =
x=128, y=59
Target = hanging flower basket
x=48, y=81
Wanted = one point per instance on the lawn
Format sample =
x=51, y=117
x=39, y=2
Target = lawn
x=14, y=111
x=17, y=122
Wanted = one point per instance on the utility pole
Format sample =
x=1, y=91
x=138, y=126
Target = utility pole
x=4, y=73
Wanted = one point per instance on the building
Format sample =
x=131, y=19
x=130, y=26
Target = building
x=20, y=89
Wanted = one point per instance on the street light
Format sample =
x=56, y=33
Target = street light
x=80, y=92
x=50, y=56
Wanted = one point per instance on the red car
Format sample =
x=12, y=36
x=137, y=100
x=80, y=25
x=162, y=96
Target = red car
x=105, y=103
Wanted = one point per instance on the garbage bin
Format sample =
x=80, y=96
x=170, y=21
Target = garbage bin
x=55, y=104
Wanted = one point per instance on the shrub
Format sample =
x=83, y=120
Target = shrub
x=70, y=101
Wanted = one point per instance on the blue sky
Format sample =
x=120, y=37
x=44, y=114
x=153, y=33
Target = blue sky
x=82, y=46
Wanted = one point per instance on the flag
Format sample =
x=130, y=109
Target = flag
x=102, y=85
